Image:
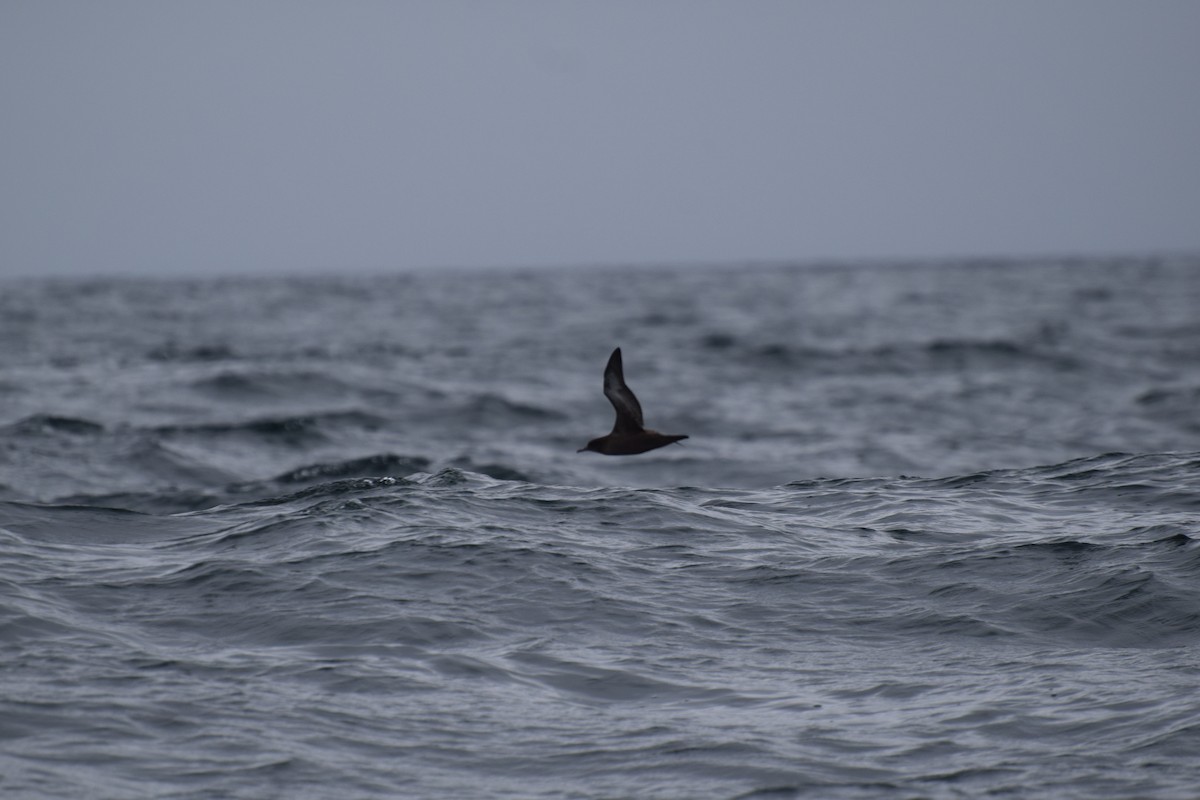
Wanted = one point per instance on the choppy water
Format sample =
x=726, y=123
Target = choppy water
x=936, y=533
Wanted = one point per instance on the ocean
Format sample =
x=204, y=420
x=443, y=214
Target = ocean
x=935, y=534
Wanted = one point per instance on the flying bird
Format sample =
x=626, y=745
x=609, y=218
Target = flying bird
x=629, y=435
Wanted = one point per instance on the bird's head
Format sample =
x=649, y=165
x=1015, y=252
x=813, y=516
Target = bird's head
x=594, y=445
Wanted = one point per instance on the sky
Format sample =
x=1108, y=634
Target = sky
x=268, y=137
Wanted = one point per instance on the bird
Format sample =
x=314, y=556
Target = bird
x=629, y=435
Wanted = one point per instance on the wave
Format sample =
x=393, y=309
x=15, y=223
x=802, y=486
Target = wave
x=368, y=466
x=255, y=386
x=294, y=429
x=497, y=470
x=49, y=424
x=1188, y=396
x=1060, y=553
x=326, y=479
x=90, y=525
x=906, y=357
x=490, y=408
x=175, y=352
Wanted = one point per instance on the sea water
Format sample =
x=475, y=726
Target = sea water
x=935, y=533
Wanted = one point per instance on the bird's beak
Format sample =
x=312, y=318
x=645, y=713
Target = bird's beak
x=581, y=450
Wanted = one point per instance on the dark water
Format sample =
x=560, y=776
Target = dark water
x=936, y=533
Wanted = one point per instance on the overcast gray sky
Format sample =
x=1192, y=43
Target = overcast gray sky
x=229, y=136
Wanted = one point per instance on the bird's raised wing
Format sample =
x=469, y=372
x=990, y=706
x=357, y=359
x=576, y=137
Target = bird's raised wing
x=629, y=410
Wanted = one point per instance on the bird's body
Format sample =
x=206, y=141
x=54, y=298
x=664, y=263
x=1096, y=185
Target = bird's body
x=629, y=435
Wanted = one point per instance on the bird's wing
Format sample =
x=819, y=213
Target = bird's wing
x=629, y=411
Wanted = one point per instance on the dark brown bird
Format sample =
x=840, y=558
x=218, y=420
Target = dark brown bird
x=629, y=436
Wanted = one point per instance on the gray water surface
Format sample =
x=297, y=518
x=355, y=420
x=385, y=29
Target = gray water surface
x=935, y=534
